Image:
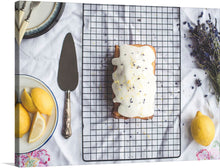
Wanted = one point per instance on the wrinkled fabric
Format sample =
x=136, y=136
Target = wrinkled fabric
x=195, y=98
x=39, y=57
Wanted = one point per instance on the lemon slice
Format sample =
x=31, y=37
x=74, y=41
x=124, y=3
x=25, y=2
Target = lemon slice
x=37, y=128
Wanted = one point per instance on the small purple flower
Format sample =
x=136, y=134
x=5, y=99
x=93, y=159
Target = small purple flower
x=206, y=54
x=201, y=15
x=204, y=27
x=189, y=26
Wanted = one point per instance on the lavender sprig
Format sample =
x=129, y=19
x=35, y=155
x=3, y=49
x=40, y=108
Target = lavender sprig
x=206, y=49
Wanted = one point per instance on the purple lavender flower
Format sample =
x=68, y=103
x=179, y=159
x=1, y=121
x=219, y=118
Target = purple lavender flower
x=206, y=48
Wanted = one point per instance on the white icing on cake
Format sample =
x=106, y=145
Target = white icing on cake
x=134, y=82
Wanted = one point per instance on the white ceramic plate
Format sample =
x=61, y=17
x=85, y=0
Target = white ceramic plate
x=43, y=17
x=29, y=82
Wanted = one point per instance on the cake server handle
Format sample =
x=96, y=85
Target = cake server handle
x=66, y=130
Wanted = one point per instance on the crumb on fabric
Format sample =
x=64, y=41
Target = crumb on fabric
x=198, y=82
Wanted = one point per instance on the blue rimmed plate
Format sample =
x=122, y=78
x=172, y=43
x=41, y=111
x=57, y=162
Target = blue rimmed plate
x=43, y=17
x=21, y=144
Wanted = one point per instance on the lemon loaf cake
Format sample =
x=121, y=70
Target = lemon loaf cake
x=134, y=81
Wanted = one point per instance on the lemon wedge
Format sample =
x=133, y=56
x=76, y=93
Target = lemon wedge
x=22, y=121
x=42, y=101
x=37, y=128
x=27, y=102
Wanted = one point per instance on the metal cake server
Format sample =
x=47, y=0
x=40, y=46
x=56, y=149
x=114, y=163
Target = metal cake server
x=67, y=79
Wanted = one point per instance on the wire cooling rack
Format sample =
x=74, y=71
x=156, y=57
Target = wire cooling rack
x=105, y=138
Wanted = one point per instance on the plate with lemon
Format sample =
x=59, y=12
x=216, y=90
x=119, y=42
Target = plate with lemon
x=36, y=113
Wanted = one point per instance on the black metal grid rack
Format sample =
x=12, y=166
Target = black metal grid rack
x=105, y=138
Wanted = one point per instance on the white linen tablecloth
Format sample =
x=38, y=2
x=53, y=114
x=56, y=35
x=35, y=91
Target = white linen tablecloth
x=39, y=57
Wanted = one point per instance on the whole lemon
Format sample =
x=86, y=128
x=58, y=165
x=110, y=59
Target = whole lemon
x=42, y=100
x=202, y=129
x=22, y=121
